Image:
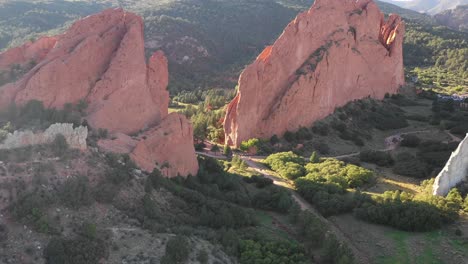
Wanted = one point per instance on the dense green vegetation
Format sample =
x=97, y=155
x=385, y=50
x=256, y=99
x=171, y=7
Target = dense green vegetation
x=333, y=187
x=33, y=115
x=88, y=246
x=205, y=109
x=354, y=122
x=438, y=56
x=202, y=56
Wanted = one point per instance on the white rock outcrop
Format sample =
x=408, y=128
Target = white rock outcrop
x=454, y=172
x=75, y=137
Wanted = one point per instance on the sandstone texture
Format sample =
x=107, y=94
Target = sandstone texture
x=31, y=52
x=168, y=147
x=101, y=59
x=336, y=52
x=75, y=137
x=119, y=143
x=454, y=172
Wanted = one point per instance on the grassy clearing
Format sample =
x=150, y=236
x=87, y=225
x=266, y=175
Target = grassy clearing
x=182, y=106
x=420, y=248
x=401, y=256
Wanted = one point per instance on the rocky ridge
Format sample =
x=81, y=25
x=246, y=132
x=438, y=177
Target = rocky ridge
x=454, y=172
x=101, y=60
x=336, y=52
x=75, y=137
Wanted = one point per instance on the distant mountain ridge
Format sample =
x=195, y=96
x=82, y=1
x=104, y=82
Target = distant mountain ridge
x=209, y=42
x=456, y=18
x=429, y=6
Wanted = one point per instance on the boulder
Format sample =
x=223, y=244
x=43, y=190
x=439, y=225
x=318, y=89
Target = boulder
x=336, y=52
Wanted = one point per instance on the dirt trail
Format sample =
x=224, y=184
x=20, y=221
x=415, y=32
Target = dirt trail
x=391, y=143
x=454, y=138
x=304, y=205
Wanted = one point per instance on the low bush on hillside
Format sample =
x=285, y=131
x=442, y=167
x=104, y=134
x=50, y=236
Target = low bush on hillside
x=402, y=213
x=314, y=232
x=34, y=115
x=408, y=165
x=327, y=185
x=435, y=153
x=177, y=250
x=410, y=141
x=259, y=180
x=287, y=164
x=256, y=146
x=76, y=192
x=85, y=248
x=338, y=172
x=274, y=252
x=31, y=208
x=407, y=212
x=380, y=158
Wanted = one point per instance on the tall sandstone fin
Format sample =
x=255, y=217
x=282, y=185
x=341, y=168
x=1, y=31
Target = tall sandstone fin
x=336, y=52
x=101, y=59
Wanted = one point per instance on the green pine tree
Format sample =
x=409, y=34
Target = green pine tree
x=314, y=158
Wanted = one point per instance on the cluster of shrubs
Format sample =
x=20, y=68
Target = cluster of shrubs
x=314, y=232
x=403, y=211
x=274, y=252
x=33, y=115
x=327, y=187
x=453, y=120
x=216, y=199
x=430, y=156
x=88, y=246
x=407, y=164
x=327, y=182
x=287, y=164
x=256, y=146
x=177, y=250
x=337, y=172
x=381, y=158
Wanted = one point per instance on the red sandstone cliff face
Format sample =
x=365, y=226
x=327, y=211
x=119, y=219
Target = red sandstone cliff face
x=338, y=51
x=163, y=145
x=27, y=53
x=101, y=59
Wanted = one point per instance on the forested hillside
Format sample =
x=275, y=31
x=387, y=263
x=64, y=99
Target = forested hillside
x=456, y=18
x=428, y=6
x=209, y=42
x=438, y=56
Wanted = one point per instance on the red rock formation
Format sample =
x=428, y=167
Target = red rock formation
x=27, y=53
x=101, y=59
x=338, y=51
x=168, y=146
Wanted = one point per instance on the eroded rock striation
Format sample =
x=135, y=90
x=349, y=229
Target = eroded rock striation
x=75, y=137
x=336, y=52
x=101, y=59
x=167, y=147
x=28, y=53
x=454, y=172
